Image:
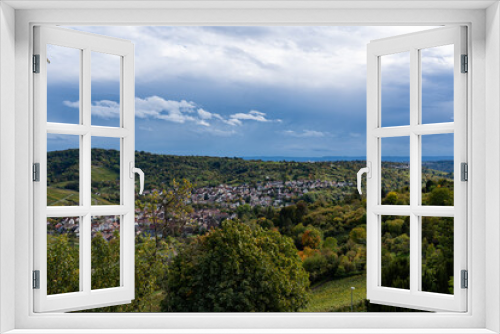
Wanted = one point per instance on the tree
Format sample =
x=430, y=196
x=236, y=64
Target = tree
x=172, y=203
x=62, y=265
x=237, y=268
x=311, y=238
x=390, y=199
x=441, y=196
x=358, y=235
x=105, y=261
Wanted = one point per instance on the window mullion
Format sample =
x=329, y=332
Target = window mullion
x=414, y=170
x=85, y=172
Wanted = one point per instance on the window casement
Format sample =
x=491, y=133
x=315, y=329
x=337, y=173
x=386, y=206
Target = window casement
x=413, y=132
x=83, y=46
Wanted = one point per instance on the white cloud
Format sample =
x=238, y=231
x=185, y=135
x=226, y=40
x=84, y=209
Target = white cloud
x=202, y=122
x=169, y=110
x=106, y=109
x=307, y=134
x=252, y=115
x=70, y=104
x=203, y=114
x=233, y=122
x=155, y=107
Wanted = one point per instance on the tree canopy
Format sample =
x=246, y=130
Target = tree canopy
x=237, y=268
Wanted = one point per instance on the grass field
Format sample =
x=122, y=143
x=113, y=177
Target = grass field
x=65, y=197
x=328, y=296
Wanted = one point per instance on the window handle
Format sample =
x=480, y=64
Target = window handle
x=134, y=170
x=368, y=171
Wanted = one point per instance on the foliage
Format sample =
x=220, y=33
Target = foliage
x=105, y=262
x=62, y=264
x=396, y=252
x=437, y=254
x=237, y=268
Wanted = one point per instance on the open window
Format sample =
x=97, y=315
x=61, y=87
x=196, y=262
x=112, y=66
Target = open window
x=400, y=76
x=72, y=216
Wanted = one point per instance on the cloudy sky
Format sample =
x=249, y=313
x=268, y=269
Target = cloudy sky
x=251, y=91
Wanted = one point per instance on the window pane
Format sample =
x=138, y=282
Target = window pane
x=106, y=71
x=395, y=170
x=396, y=252
x=105, y=171
x=437, y=84
x=437, y=169
x=395, y=90
x=63, y=84
x=63, y=255
x=63, y=166
x=437, y=254
x=105, y=252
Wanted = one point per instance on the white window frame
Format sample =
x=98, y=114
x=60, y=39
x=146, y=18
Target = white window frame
x=484, y=103
x=87, y=44
x=414, y=297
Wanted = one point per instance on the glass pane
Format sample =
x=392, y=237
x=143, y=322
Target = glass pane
x=63, y=170
x=63, y=255
x=395, y=171
x=395, y=90
x=105, y=171
x=437, y=169
x=106, y=70
x=437, y=254
x=63, y=84
x=437, y=84
x=105, y=252
x=396, y=252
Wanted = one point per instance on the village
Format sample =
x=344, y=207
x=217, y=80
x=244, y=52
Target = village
x=211, y=205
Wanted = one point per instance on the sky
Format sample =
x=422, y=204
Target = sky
x=252, y=91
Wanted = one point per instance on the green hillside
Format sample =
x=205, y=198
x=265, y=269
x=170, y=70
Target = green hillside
x=162, y=170
x=335, y=294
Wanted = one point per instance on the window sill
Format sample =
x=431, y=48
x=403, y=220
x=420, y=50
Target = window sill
x=251, y=331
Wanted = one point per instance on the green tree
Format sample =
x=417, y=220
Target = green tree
x=105, y=261
x=62, y=265
x=391, y=198
x=237, y=268
x=441, y=196
x=358, y=235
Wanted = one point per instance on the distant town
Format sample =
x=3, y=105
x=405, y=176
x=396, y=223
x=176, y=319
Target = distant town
x=211, y=205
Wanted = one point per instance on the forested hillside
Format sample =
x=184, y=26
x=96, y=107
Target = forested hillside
x=209, y=212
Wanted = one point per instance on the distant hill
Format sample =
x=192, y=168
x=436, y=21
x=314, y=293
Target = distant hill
x=346, y=158
x=161, y=170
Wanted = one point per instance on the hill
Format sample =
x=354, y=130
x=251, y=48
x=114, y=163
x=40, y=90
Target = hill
x=161, y=170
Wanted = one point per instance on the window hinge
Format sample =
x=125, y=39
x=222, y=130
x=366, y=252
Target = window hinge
x=464, y=167
x=36, y=279
x=465, y=64
x=465, y=279
x=36, y=63
x=36, y=172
